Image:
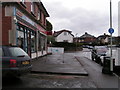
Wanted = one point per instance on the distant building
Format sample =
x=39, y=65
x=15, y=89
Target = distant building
x=115, y=40
x=87, y=38
x=76, y=40
x=63, y=36
x=103, y=39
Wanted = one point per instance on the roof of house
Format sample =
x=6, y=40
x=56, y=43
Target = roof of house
x=59, y=32
x=87, y=35
x=103, y=36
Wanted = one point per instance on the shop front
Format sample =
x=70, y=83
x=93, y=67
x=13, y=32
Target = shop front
x=30, y=36
x=26, y=38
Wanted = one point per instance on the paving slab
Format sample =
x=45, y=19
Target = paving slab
x=54, y=64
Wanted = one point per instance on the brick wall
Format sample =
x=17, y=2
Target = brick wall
x=27, y=7
x=6, y=26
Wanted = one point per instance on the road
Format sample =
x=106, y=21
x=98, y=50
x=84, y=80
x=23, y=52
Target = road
x=95, y=70
x=49, y=81
x=33, y=80
x=95, y=79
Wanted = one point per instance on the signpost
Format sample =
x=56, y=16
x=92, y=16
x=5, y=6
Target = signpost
x=111, y=31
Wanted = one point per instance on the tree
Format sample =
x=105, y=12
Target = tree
x=49, y=26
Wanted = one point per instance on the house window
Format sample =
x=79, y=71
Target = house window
x=23, y=2
x=32, y=7
x=44, y=20
x=65, y=41
x=39, y=15
x=65, y=33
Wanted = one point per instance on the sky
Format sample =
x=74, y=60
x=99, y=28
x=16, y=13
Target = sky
x=80, y=16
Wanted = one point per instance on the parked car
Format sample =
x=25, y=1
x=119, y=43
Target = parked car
x=87, y=46
x=98, y=52
x=15, y=61
x=90, y=47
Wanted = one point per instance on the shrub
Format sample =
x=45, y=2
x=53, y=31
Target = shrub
x=68, y=46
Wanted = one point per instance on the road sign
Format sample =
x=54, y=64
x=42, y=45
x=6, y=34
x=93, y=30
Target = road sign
x=111, y=30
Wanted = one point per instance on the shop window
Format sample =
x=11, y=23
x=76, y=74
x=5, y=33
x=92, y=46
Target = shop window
x=43, y=43
x=1, y=52
x=21, y=28
x=33, y=41
x=39, y=43
x=17, y=27
x=20, y=39
x=26, y=40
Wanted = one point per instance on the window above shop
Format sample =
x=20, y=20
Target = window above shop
x=23, y=3
x=32, y=8
x=39, y=15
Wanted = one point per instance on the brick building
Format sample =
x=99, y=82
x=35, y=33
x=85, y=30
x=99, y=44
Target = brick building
x=85, y=38
x=24, y=25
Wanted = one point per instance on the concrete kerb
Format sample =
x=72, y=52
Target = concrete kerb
x=60, y=73
x=34, y=59
x=79, y=61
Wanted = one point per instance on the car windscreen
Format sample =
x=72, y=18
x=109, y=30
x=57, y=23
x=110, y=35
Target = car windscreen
x=15, y=51
x=101, y=50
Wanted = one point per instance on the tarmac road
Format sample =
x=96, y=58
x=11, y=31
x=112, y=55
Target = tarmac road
x=95, y=73
x=95, y=79
x=49, y=81
x=52, y=81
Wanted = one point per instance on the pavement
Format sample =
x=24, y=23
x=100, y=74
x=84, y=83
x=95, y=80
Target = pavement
x=78, y=63
x=64, y=64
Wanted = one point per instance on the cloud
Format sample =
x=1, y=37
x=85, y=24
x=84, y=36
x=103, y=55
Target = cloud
x=79, y=20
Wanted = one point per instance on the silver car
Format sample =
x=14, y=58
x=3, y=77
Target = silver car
x=98, y=52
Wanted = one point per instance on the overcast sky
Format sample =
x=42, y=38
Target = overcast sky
x=80, y=16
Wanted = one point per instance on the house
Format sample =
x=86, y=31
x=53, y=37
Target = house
x=115, y=40
x=76, y=40
x=87, y=38
x=103, y=39
x=63, y=36
x=24, y=25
